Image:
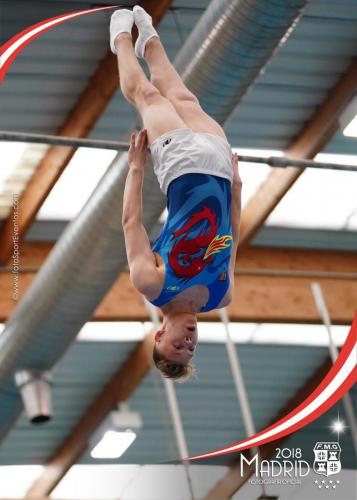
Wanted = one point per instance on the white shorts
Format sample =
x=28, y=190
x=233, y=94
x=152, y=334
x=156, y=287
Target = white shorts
x=183, y=151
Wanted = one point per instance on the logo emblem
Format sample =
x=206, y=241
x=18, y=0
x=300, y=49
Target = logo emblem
x=327, y=458
x=166, y=143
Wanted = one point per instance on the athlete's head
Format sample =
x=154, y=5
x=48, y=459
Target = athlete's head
x=175, y=345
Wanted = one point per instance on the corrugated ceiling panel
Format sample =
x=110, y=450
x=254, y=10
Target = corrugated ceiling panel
x=209, y=407
x=299, y=78
x=272, y=375
x=47, y=77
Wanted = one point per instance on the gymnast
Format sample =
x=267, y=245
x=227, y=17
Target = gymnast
x=190, y=268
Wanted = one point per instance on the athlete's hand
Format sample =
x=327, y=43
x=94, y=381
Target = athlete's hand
x=236, y=176
x=137, y=150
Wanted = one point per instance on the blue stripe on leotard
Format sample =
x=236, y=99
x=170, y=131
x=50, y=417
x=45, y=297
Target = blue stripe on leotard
x=196, y=240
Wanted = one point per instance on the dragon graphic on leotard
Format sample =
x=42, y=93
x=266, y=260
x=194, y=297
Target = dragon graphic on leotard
x=189, y=256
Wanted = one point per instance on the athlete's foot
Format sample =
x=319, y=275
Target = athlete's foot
x=146, y=30
x=121, y=22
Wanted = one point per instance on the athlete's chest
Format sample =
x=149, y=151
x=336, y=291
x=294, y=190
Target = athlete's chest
x=196, y=293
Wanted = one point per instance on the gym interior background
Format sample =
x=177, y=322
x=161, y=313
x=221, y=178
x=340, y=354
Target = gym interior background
x=282, y=78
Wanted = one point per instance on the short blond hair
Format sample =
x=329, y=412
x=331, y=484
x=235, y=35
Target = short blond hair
x=170, y=369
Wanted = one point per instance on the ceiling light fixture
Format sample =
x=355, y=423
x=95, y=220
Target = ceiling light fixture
x=116, y=434
x=113, y=444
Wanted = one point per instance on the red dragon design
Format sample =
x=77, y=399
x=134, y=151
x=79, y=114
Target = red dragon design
x=188, y=257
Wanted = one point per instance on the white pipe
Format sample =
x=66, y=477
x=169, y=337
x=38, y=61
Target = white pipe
x=238, y=377
x=239, y=383
x=176, y=418
x=174, y=408
x=325, y=318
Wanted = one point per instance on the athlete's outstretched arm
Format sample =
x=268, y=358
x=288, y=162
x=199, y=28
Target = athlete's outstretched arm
x=132, y=201
x=141, y=259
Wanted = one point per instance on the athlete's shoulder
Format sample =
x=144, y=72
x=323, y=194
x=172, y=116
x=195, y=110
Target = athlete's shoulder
x=147, y=278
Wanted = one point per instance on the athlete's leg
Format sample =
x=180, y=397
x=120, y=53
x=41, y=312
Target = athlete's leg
x=169, y=83
x=157, y=112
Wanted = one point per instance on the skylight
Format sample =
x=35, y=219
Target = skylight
x=351, y=129
x=76, y=184
x=348, y=119
x=16, y=480
x=13, y=174
x=113, y=444
x=320, y=199
x=108, y=331
x=213, y=332
x=128, y=482
x=253, y=174
x=11, y=153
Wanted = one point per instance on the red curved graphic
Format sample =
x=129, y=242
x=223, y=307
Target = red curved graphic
x=181, y=258
x=10, y=50
x=338, y=381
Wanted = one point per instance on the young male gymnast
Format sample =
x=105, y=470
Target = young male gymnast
x=190, y=268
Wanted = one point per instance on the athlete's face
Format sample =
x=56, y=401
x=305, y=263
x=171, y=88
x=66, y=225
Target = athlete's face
x=177, y=340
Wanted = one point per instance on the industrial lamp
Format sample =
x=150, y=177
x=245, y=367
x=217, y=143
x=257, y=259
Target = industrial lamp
x=35, y=390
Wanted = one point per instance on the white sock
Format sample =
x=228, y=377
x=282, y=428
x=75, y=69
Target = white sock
x=121, y=22
x=146, y=30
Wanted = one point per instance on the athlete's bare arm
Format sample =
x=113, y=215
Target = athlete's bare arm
x=141, y=260
x=235, y=213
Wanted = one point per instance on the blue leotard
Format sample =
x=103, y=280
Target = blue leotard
x=196, y=240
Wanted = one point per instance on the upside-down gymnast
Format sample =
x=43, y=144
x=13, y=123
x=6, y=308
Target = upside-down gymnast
x=190, y=267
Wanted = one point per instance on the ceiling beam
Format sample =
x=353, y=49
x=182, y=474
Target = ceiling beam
x=33, y=254
x=233, y=481
x=80, y=121
x=311, y=140
x=256, y=299
x=119, y=388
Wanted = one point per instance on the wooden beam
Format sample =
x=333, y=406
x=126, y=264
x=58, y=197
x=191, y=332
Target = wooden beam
x=288, y=259
x=314, y=136
x=263, y=298
x=79, y=123
x=119, y=388
x=33, y=254
x=233, y=481
x=256, y=298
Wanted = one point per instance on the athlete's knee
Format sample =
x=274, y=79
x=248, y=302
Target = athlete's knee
x=147, y=94
x=182, y=95
x=129, y=89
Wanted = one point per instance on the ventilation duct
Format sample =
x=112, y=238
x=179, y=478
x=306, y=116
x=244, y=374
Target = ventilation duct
x=231, y=45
